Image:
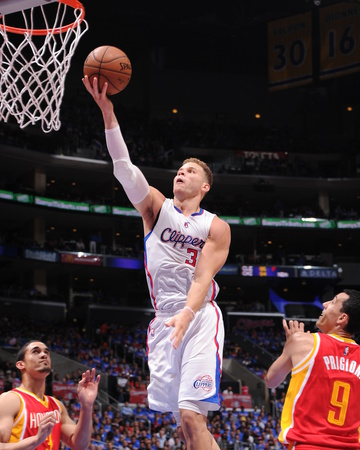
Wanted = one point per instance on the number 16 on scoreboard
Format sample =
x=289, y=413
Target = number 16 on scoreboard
x=340, y=40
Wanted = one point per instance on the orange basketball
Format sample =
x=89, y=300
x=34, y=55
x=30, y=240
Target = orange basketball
x=108, y=64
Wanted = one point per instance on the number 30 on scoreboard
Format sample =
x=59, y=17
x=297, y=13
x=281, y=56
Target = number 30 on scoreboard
x=290, y=52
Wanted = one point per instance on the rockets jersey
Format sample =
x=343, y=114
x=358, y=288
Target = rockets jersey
x=322, y=403
x=172, y=250
x=26, y=422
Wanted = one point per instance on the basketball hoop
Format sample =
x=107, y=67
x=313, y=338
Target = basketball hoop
x=35, y=54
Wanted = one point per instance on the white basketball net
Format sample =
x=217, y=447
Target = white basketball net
x=33, y=68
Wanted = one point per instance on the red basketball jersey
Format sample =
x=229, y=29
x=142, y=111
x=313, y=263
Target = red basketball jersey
x=26, y=423
x=322, y=403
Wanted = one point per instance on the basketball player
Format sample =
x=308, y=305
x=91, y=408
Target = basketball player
x=30, y=419
x=185, y=246
x=321, y=407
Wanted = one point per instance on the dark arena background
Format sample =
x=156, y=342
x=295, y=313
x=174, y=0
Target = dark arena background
x=267, y=93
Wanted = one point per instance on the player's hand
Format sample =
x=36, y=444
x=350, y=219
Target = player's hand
x=180, y=322
x=100, y=97
x=46, y=425
x=88, y=388
x=293, y=327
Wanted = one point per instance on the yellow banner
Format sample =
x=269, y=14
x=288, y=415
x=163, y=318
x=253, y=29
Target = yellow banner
x=290, y=52
x=339, y=40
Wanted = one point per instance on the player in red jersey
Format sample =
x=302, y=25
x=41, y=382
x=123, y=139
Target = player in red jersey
x=321, y=409
x=30, y=419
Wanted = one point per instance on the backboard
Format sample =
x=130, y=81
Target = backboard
x=11, y=6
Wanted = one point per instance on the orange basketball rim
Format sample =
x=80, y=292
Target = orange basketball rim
x=36, y=51
x=44, y=31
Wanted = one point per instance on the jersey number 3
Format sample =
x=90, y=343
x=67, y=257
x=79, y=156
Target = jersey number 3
x=340, y=400
x=193, y=256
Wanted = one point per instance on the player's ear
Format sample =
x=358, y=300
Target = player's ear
x=343, y=319
x=20, y=365
x=205, y=188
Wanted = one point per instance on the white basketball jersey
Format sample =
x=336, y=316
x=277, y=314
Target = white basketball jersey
x=172, y=250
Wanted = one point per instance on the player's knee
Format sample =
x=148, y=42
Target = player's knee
x=191, y=422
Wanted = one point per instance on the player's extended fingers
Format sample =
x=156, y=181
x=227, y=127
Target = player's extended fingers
x=293, y=325
x=44, y=432
x=93, y=377
x=175, y=340
x=95, y=88
x=48, y=419
x=101, y=94
x=87, y=83
x=285, y=325
x=287, y=328
x=85, y=377
x=46, y=424
x=170, y=322
x=92, y=88
x=298, y=326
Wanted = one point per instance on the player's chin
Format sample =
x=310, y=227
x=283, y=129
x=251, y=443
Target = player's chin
x=45, y=370
x=178, y=187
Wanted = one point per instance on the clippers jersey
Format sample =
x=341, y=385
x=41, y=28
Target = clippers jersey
x=321, y=408
x=26, y=422
x=172, y=249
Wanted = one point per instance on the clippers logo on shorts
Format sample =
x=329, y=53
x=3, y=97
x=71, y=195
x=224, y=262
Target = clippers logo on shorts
x=205, y=383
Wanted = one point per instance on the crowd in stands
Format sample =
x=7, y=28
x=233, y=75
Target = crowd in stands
x=268, y=339
x=155, y=142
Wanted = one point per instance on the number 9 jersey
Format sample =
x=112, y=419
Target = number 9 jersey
x=322, y=402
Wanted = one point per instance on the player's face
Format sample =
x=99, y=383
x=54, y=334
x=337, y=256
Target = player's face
x=331, y=313
x=190, y=181
x=37, y=359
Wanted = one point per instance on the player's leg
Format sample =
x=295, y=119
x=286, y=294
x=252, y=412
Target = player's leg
x=200, y=377
x=195, y=431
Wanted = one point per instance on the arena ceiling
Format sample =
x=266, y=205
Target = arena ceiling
x=211, y=36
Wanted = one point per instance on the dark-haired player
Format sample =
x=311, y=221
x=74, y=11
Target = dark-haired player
x=321, y=407
x=30, y=419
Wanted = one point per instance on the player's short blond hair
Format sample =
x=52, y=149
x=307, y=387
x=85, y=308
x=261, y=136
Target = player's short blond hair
x=208, y=173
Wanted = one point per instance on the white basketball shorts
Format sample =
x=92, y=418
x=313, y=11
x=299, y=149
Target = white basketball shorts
x=192, y=372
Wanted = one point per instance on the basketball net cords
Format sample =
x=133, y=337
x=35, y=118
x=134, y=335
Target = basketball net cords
x=40, y=77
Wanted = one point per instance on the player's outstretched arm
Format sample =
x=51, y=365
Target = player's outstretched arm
x=77, y=436
x=298, y=345
x=147, y=201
